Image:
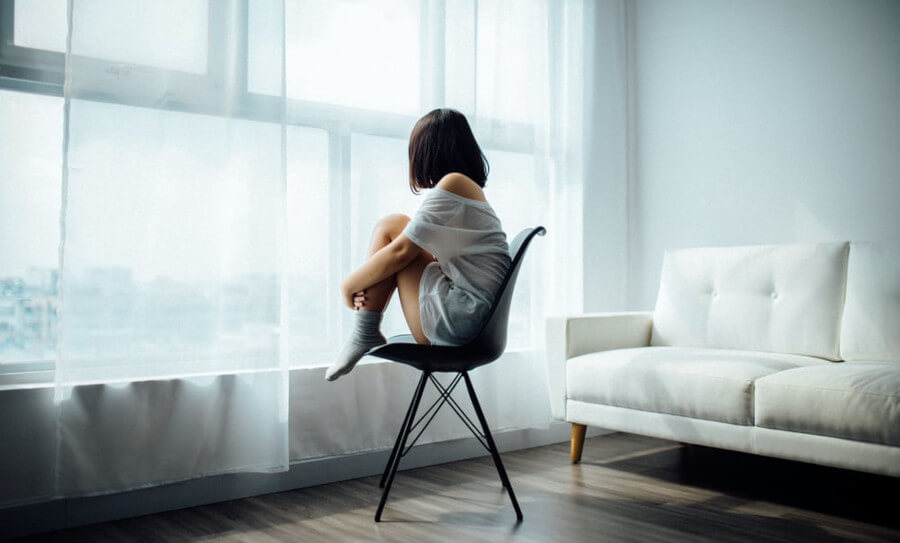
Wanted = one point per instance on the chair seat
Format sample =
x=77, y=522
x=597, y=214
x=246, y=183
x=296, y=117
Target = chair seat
x=430, y=358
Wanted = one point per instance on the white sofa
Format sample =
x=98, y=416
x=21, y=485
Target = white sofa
x=789, y=351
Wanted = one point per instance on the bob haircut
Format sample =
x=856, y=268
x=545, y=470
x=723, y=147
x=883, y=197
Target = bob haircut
x=442, y=142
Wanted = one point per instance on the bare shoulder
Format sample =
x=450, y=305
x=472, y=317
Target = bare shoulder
x=461, y=185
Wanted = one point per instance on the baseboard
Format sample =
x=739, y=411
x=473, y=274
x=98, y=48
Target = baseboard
x=63, y=513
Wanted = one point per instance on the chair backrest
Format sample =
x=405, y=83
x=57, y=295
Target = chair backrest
x=491, y=341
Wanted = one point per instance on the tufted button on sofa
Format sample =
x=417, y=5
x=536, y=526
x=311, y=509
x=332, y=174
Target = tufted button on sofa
x=790, y=351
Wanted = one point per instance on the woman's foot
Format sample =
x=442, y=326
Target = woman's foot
x=366, y=334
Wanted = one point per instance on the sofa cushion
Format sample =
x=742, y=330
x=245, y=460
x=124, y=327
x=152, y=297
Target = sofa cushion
x=851, y=400
x=871, y=325
x=783, y=299
x=709, y=384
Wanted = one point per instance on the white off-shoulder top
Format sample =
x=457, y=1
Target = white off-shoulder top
x=467, y=239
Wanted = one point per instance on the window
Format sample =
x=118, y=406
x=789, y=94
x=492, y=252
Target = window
x=507, y=89
x=163, y=251
x=312, y=259
x=40, y=24
x=360, y=55
x=183, y=26
x=358, y=75
x=30, y=172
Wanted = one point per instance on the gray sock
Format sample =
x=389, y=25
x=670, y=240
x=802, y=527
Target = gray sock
x=365, y=335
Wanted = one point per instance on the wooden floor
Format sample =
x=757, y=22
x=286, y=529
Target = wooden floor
x=627, y=488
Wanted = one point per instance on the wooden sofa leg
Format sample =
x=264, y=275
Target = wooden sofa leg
x=577, y=441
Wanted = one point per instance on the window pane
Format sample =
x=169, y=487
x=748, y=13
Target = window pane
x=511, y=191
x=362, y=54
x=169, y=34
x=30, y=173
x=265, y=27
x=512, y=56
x=379, y=186
x=40, y=24
x=171, y=239
x=314, y=292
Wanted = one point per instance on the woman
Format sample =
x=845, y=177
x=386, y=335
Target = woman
x=447, y=262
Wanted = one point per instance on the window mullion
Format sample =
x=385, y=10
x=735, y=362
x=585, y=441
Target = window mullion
x=227, y=54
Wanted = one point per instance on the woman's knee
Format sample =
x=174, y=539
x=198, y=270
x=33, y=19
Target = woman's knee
x=392, y=224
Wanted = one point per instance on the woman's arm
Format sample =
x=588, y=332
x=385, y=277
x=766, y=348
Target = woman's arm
x=387, y=261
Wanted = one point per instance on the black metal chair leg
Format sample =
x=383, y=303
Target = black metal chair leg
x=405, y=431
x=493, y=447
x=393, y=456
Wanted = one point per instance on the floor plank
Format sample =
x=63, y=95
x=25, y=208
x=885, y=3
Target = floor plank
x=627, y=488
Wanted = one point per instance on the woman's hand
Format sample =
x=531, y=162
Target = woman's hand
x=359, y=300
x=353, y=300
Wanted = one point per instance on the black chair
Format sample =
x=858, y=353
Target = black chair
x=487, y=346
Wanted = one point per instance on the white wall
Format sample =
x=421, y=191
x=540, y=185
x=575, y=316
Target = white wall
x=769, y=121
x=605, y=213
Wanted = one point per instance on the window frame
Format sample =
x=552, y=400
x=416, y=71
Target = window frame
x=38, y=71
x=43, y=72
x=24, y=69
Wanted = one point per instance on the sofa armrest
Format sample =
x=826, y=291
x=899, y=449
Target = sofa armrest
x=568, y=337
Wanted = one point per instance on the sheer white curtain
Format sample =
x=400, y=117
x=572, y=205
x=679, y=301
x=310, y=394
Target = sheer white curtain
x=517, y=68
x=172, y=351
x=223, y=165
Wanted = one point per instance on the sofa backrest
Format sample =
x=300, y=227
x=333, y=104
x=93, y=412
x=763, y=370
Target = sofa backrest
x=776, y=298
x=871, y=325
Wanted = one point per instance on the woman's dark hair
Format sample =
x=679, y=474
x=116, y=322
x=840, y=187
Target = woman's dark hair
x=442, y=142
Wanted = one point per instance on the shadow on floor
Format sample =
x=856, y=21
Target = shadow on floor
x=616, y=519
x=842, y=493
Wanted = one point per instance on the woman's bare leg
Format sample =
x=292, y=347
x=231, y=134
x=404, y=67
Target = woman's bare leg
x=371, y=303
x=408, y=284
x=406, y=280
x=386, y=230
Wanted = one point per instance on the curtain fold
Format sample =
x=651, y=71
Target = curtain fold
x=171, y=356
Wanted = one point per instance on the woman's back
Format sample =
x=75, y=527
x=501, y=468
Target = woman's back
x=467, y=239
